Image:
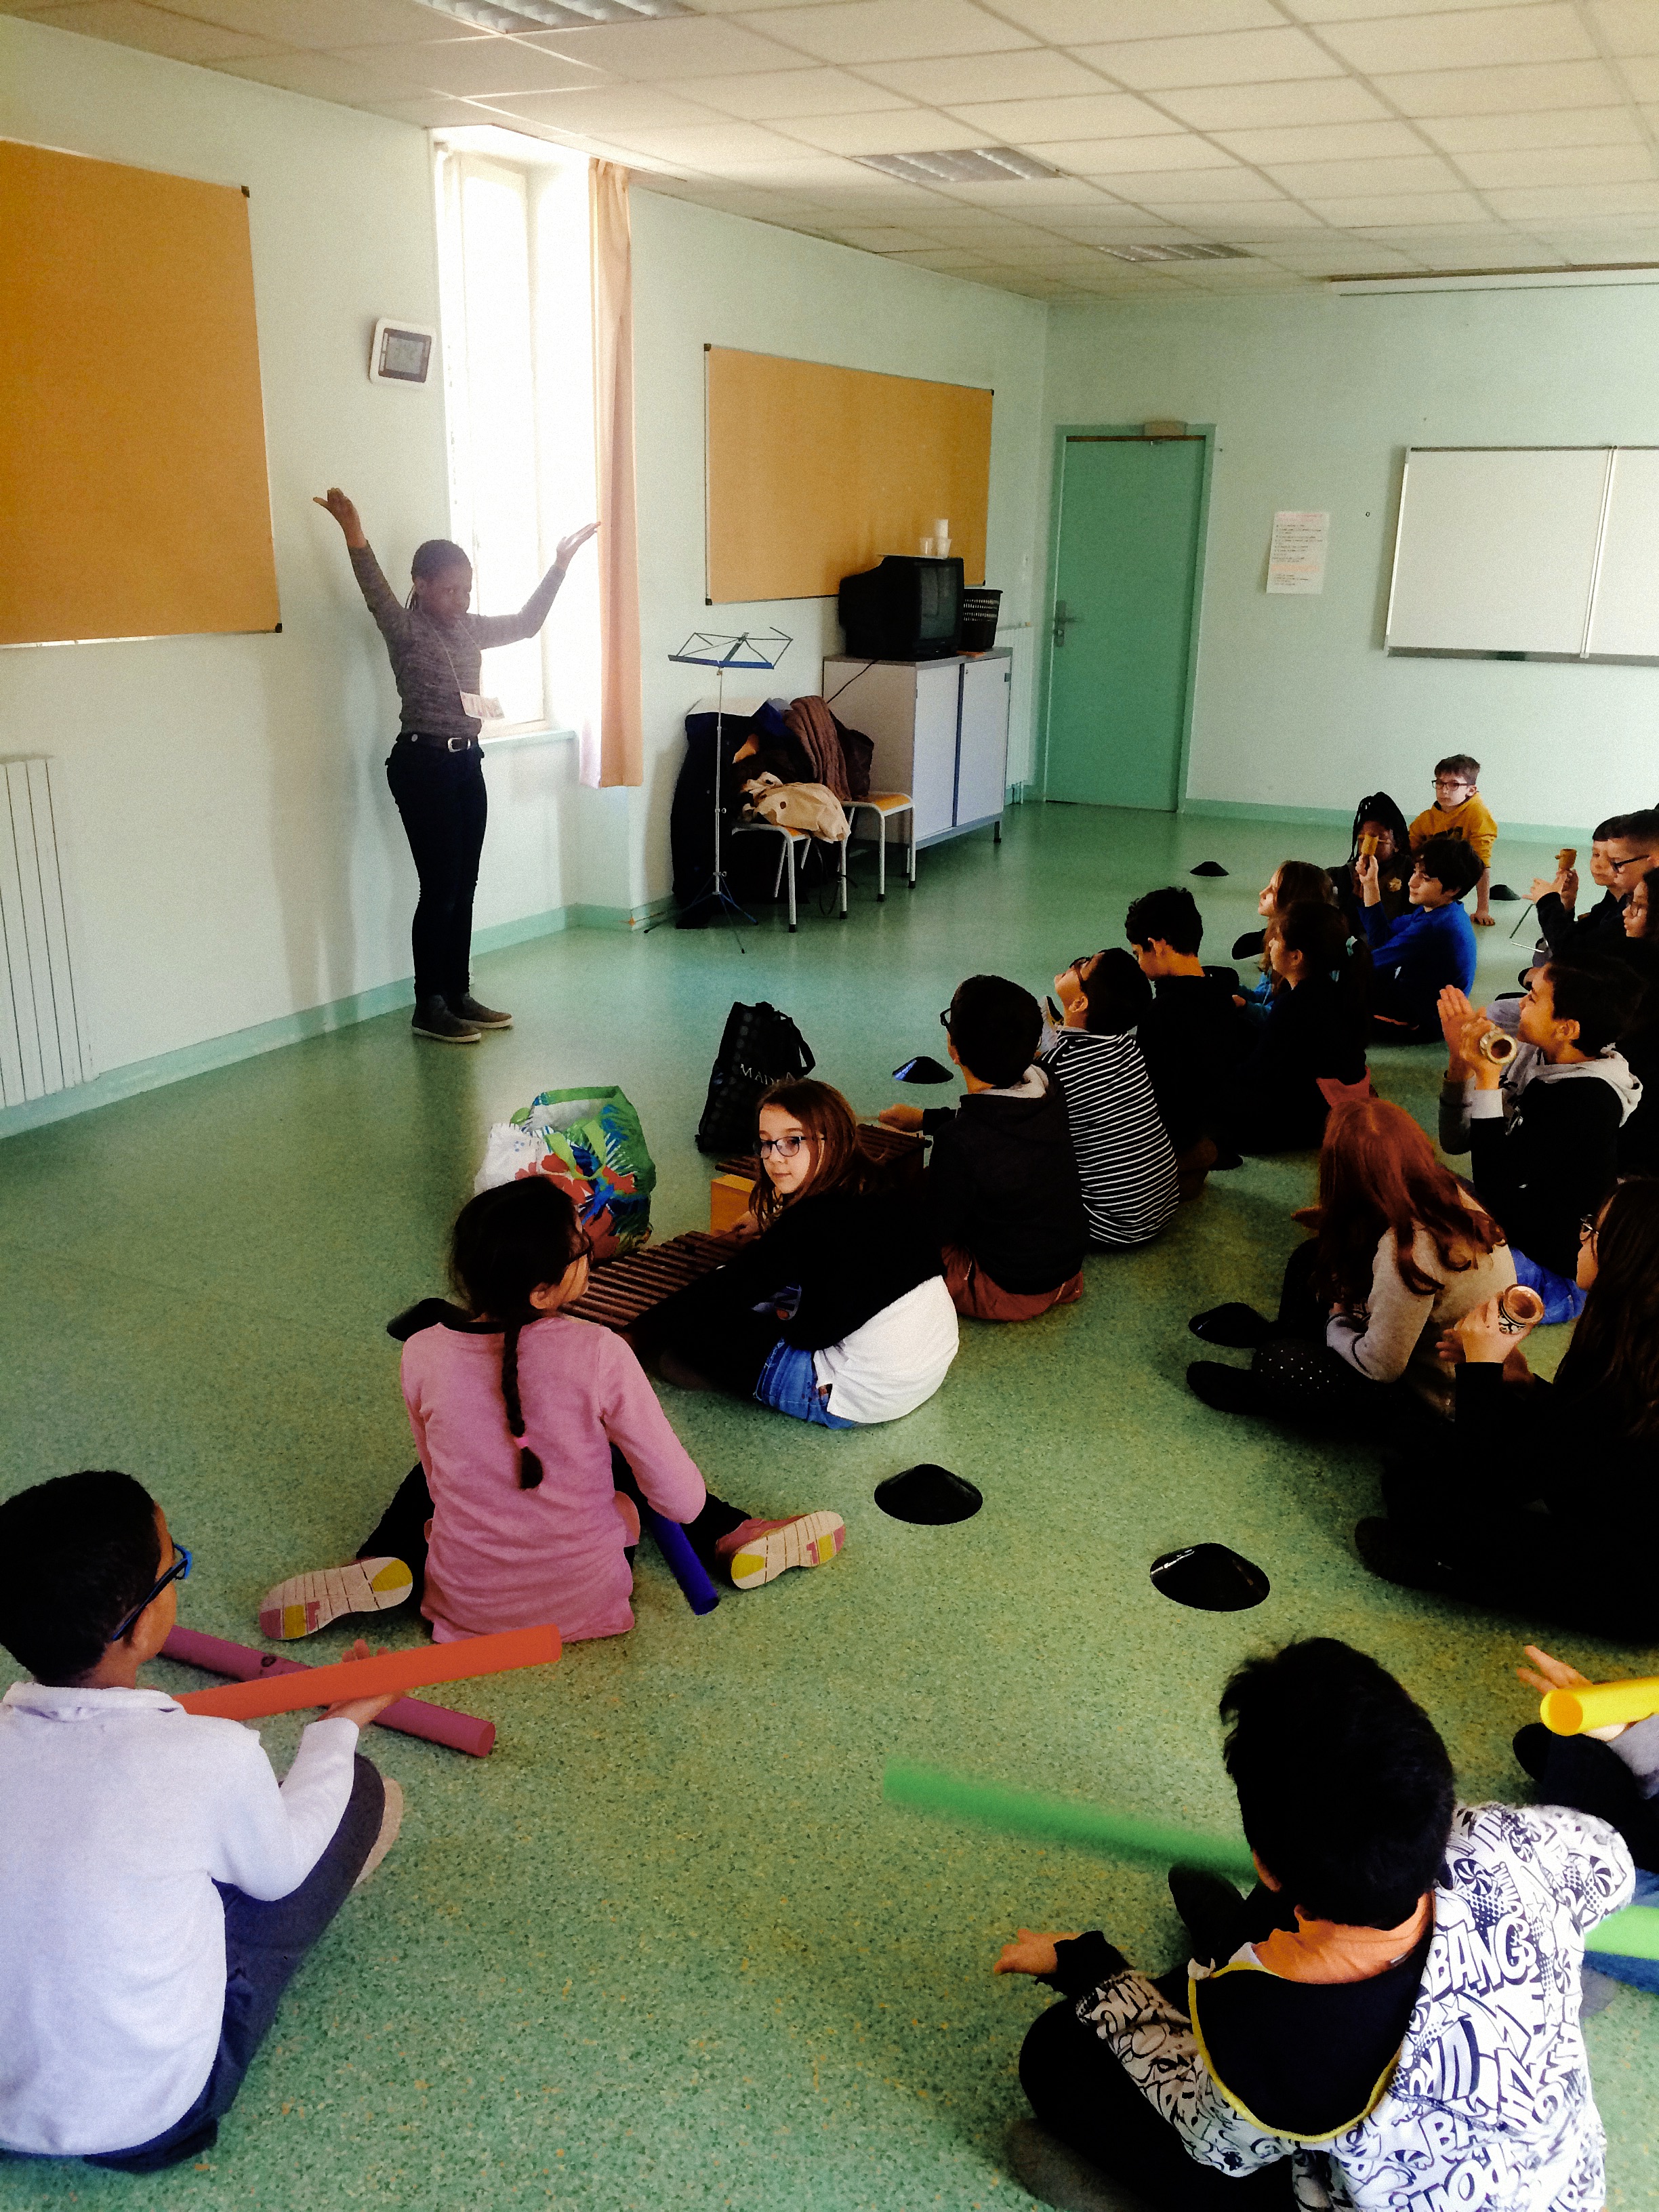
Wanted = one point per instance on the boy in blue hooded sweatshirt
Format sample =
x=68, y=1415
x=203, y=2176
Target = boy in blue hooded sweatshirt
x=1430, y=946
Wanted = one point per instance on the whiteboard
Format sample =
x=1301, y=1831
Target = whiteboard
x=1625, y=619
x=1496, y=550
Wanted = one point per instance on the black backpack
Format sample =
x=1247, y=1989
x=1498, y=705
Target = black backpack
x=761, y=1047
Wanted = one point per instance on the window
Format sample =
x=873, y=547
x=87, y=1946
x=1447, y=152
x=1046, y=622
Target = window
x=518, y=372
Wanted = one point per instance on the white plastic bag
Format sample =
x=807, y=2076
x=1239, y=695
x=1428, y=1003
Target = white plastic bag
x=509, y=1152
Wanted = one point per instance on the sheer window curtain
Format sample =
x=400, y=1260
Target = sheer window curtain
x=618, y=756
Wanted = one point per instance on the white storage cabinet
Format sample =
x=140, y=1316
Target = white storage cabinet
x=941, y=733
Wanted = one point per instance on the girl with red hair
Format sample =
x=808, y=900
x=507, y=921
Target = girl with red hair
x=1400, y=1252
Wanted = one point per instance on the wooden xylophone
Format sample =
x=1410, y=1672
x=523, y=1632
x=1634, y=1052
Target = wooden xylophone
x=899, y=1152
x=621, y=1292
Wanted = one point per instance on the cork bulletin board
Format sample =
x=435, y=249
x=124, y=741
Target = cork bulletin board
x=814, y=472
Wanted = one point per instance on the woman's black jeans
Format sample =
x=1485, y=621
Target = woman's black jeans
x=441, y=798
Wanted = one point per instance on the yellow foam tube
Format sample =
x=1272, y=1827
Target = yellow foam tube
x=1599, y=1704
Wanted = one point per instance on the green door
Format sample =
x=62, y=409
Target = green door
x=1126, y=586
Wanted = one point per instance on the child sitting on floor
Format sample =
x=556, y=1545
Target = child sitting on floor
x=1002, y=1182
x=1561, y=928
x=1292, y=881
x=1380, y=826
x=158, y=1889
x=1460, y=813
x=1125, y=1161
x=1310, y=1047
x=1191, y=1035
x=1542, y=1129
x=1499, y=1520
x=1394, y=2011
x=1416, y=956
x=532, y=1430
x=833, y=1309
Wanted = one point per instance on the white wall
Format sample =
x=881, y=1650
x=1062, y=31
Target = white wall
x=1315, y=401
x=235, y=850
x=703, y=278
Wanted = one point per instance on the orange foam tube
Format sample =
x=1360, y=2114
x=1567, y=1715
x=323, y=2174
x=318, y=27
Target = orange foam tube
x=372, y=1678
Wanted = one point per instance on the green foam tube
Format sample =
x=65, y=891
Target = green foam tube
x=1061, y=1820
x=1631, y=1934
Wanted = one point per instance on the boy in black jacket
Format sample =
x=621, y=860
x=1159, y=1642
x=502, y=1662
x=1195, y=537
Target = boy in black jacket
x=1192, y=1035
x=1542, y=1132
x=1002, y=1184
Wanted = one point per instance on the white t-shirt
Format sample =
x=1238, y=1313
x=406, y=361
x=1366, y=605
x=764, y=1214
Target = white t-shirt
x=118, y=1812
x=894, y=1361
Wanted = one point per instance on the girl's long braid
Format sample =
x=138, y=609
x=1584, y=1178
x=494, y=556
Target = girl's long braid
x=530, y=1468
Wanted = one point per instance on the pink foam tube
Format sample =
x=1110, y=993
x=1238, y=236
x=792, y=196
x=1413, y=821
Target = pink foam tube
x=215, y=1655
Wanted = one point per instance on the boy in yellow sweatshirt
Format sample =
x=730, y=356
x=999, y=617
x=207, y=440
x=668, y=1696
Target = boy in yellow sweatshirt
x=1460, y=812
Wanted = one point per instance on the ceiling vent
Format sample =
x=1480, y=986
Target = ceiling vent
x=976, y=165
x=553, y=15
x=1175, y=253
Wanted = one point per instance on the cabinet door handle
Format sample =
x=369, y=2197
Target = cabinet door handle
x=1063, y=617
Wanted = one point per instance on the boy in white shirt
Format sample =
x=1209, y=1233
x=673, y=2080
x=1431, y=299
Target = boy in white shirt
x=157, y=1888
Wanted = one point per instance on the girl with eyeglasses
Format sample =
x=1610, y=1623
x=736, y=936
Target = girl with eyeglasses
x=1463, y=1523
x=537, y=1434
x=833, y=1309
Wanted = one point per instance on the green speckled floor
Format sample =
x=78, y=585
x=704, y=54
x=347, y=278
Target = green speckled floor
x=666, y=1947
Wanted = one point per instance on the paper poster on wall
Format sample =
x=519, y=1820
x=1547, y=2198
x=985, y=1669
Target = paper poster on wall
x=1296, y=558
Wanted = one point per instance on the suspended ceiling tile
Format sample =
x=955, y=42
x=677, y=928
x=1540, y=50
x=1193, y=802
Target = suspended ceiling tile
x=1560, y=164
x=1107, y=157
x=433, y=111
x=1519, y=88
x=1252, y=106
x=1506, y=250
x=1323, y=142
x=609, y=108
x=1469, y=38
x=470, y=68
x=321, y=22
x=1641, y=78
x=1379, y=209
x=858, y=31
x=1244, y=223
x=1029, y=194
x=1076, y=22
x=904, y=130
x=717, y=148
x=1323, y=181
x=948, y=260
x=887, y=238
x=1228, y=56
x=666, y=50
x=1627, y=27
x=1040, y=74
x=821, y=177
x=181, y=38
x=1097, y=115
x=1319, y=12
x=773, y=96
x=1566, y=126
x=1154, y=187
x=320, y=77
x=1559, y=202
x=1339, y=256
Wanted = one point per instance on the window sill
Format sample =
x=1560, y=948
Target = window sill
x=528, y=733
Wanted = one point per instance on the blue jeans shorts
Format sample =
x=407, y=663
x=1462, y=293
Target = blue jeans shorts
x=789, y=1384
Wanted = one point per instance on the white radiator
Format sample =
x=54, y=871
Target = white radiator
x=43, y=1039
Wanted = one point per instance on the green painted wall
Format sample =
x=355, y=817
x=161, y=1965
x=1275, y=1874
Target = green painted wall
x=1315, y=401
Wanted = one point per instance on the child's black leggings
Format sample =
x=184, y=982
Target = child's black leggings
x=1081, y=2094
x=400, y=1531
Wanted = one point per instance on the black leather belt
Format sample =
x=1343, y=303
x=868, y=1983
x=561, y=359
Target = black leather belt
x=439, y=744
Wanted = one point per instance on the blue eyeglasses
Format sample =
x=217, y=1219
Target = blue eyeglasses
x=178, y=1572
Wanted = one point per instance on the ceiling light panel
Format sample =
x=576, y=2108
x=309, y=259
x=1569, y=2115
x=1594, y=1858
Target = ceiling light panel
x=552, y=15
x=988, y=165
x=1173, y=252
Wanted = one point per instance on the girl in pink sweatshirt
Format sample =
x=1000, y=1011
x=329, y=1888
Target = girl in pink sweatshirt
x=532, y=1429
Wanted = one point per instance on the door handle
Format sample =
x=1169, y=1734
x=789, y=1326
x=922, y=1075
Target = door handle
x=1062, y=619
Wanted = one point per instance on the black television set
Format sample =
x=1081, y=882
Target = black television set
x=908, y=607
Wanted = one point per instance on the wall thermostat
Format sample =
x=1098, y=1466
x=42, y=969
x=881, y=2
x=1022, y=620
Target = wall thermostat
x=401, y=353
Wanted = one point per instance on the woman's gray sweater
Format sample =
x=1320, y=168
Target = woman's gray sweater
x=433, y=664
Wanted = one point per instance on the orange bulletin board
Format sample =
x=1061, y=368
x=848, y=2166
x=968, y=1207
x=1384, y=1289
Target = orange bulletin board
x=133, y=496
x=815, y=472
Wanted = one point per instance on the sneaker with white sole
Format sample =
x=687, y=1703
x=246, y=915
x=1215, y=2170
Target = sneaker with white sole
x=758, y=1552
x=305, y=1603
